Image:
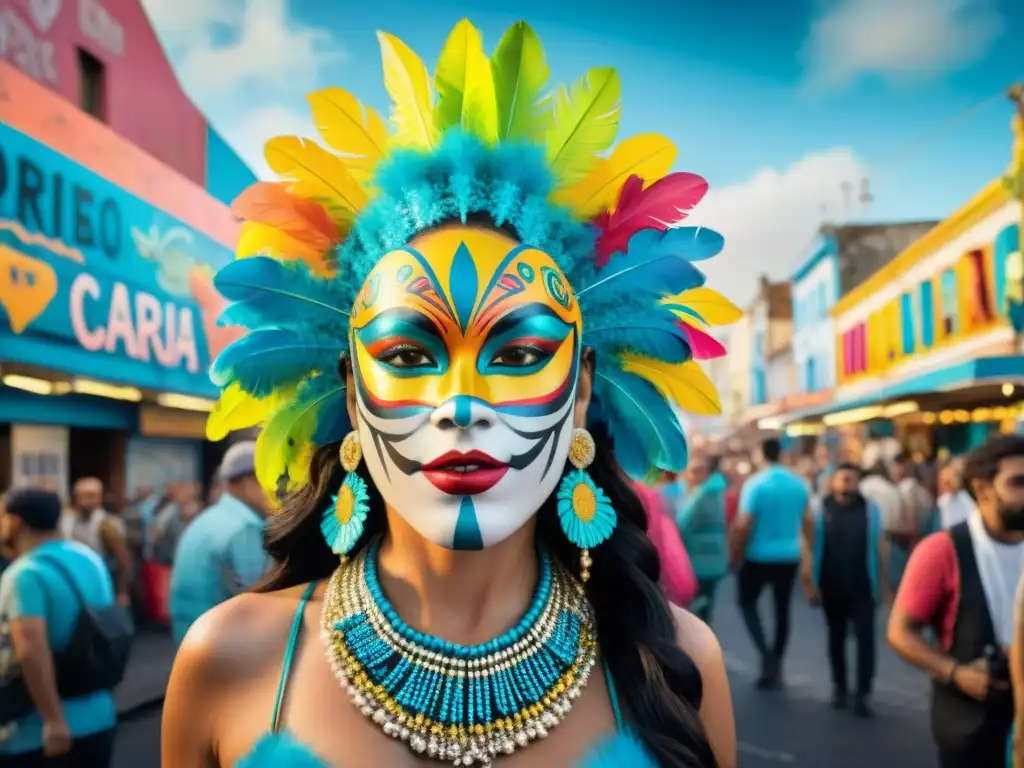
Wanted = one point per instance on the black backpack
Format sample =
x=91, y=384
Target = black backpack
x=94, y=660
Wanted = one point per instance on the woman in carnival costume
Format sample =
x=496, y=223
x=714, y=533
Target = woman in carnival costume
x=461, y=331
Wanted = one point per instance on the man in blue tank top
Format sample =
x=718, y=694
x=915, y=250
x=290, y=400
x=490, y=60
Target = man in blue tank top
x=766, y=541
x=39, y=610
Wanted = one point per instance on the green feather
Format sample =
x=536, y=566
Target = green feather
x=465, y=85
x=520, y=76
x=286, y=441
x=586, y=122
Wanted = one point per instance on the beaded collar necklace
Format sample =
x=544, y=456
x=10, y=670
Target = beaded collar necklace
x=462, y=704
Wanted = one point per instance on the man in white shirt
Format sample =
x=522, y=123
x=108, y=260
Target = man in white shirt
x=955, y=503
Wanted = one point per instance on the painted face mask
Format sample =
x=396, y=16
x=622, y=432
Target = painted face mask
x=465, y=354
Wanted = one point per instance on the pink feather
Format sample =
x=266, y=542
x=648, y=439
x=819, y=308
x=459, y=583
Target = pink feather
x=665, y=202
x=703, y=345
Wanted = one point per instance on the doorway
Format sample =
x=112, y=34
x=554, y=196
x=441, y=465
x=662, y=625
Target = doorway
x=99, y=453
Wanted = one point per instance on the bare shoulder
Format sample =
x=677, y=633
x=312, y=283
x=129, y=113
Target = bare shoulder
x=716, y=713
x=239, y=638
x=697, y=639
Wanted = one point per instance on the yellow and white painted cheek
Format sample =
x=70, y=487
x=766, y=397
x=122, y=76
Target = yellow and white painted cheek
x=458, y=294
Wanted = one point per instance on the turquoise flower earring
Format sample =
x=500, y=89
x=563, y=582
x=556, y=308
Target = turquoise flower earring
x=343, y=521
x=585, y=512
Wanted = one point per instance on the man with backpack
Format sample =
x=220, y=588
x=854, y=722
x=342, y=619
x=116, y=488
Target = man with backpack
x=64, y=642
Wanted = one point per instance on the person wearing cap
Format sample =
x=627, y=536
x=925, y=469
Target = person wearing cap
x=221, y=553
x=41, y=597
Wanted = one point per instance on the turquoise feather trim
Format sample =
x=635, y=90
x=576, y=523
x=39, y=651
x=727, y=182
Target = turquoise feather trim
x=509, y=184
x=624, y=750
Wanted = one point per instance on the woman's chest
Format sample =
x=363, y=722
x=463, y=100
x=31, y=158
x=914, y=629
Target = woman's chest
x=322, y=719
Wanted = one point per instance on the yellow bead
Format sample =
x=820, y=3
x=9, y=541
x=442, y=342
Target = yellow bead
x=419, y=719
x=584, y=502
x=344, y=505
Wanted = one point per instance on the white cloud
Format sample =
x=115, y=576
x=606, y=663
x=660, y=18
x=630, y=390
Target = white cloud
x=249, y=134
x=769, y=221
x=179, y=21
x=901, y=39
x=264, y=45
x=245, y=63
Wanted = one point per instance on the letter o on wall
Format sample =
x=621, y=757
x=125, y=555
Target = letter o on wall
x=110, y=228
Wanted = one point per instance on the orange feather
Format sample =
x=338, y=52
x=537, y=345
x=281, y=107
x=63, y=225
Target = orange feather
x=272, y=204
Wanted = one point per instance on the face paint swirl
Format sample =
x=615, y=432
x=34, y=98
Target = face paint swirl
x=465, y=354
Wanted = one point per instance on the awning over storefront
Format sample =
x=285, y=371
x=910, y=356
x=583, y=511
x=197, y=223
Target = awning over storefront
x=984, y=370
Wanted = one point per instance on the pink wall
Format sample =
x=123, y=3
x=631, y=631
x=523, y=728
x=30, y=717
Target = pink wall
x=143, y=101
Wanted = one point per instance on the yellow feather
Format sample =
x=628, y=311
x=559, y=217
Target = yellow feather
x=586, y=119
x=685, y=384
x=408, y=84
x=258, y=239
x=647, y=155
x=353, y=129
x=235, y=410
x=465, y=85
x=712, y=306
x=316, y=174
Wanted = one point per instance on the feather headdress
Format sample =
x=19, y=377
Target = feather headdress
x=484, y=135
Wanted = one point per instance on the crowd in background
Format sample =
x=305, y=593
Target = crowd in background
x=846, y=532
x=76, y=581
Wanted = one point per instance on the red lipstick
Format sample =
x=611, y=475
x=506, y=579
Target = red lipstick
x=464, y=474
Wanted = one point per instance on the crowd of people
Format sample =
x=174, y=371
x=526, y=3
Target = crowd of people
x=942, y=545
x=840, y=530
x=76, y=582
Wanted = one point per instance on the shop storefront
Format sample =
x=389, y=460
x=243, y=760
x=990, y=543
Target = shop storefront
x=107, y=310
x=926, y=356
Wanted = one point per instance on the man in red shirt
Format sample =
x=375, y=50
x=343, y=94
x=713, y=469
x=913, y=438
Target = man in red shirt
x=961, y=584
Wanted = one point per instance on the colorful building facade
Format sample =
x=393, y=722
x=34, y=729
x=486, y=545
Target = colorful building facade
x=931, y=328
x=114, y=215
x=815, y=291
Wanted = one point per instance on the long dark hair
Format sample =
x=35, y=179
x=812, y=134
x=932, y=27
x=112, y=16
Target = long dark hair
x=659, y=685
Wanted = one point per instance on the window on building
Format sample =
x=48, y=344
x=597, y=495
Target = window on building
x=981, y=304
x=91, y=84
x=927, y=315
x=821, y=310
x=811, y=383
x=907, y=323
x=950, y=307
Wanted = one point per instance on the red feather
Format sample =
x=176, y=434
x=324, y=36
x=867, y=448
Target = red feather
x=665, y=202
x=272, y=204
x=703, y=345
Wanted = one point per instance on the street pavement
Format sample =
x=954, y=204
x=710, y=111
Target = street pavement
x=793, y=727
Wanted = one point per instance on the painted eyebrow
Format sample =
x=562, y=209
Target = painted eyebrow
x=397, y=322
x=520, y=315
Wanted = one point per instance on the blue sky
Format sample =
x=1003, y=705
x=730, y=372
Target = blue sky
x=776, y=103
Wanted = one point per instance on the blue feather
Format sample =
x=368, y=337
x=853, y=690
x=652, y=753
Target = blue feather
x=265, y=359
x=623, y=750
x=652, y=332
x=280, y=749
x=332, y=422
x=655, y=264
x=268, y=292
x=642, y=424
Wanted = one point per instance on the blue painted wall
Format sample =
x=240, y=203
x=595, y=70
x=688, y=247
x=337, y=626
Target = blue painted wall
x=226, y=173
x=96, y=282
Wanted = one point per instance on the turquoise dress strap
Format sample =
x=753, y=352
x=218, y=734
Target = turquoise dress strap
x=620, y=724
x=289, y=655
